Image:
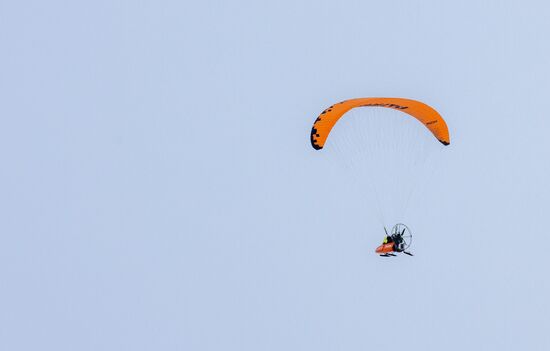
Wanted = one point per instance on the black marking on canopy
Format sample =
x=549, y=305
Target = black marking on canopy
x=312, y=138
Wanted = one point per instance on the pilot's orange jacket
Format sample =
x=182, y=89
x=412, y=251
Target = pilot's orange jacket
x=384, y=248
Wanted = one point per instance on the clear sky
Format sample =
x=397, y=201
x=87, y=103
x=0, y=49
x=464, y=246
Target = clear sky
x=159, y=192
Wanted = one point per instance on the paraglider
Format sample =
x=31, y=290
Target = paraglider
x=397, y=242
x=370, y=146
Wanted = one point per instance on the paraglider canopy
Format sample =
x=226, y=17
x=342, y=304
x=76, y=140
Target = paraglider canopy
x=422, y=112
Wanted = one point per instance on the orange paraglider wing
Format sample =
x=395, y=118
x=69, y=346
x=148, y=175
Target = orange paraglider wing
x=422, y=112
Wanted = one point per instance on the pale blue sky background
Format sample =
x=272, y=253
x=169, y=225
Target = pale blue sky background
x=159, y=192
